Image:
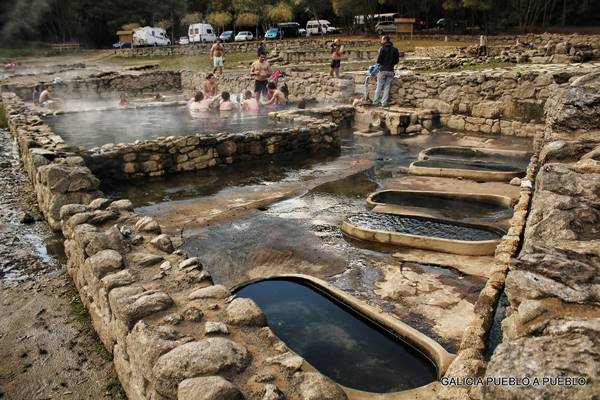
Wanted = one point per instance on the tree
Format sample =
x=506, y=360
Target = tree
x=246, y=19
x=130, y=26
x=219, y=19
x=165, y=24
x=191, y=18
x=281, y=12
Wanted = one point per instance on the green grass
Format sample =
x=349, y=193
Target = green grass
x=3, y=121
x=35, y=50
x=201, y=62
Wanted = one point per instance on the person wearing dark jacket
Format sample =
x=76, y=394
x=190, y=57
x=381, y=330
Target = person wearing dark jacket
x=388, y=57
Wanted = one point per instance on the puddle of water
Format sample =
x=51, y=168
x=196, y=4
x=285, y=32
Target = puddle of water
x=146, y=192
x=422, y=226
x=337, y=341
x=96, y=128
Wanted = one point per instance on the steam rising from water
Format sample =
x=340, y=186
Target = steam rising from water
x=96, y=128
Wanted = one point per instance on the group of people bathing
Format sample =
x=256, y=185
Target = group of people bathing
x=265, y=84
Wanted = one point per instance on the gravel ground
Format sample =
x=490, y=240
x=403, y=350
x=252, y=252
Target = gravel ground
x=47, y=346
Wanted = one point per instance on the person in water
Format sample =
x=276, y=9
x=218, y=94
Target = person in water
x=210, y=87
x=261, y=70
x=249, y=104
x=199, y=103
x=123, y=100
x=226, y=103
x=46, y=97
x=278, y=98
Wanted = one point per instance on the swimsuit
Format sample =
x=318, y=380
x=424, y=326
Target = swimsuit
x=260, y=86
x=336, y=63
x=218, y=61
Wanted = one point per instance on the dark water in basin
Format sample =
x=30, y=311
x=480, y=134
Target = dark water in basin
x=517, y=158
x=96, y=128
x=470, y=165
x=337, y=341
x=424, y=227
x=461, y=209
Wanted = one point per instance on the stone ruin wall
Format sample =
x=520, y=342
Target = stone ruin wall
x=507, y=101
x=161, y=156
x=240, y=47
x=302, y=85
x=107, y=85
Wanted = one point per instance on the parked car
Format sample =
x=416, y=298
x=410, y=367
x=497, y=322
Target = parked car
x=272, y=34
x=244, y=36
x=288, y=30
x=318, y=27
x=150, y=36
x=184, y=40
x=121, y=45
x=302, y=32
x=385, y=27
x=226, y=36
x=201, y=33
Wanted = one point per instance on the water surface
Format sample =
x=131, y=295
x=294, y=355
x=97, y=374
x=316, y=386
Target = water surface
x=456, y=208
x=337, y=341
x=96, y=128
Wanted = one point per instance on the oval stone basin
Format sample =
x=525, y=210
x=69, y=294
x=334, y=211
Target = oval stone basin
x=423, y=233
x=477, y=170
x=456, y=206
x=511, y=157
x=338, y=341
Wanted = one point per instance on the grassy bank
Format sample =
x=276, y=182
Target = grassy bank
x=178, y=62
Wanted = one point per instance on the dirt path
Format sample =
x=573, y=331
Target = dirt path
x=47, y=346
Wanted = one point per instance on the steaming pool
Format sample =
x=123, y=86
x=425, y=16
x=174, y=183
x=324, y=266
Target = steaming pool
x=96, y=128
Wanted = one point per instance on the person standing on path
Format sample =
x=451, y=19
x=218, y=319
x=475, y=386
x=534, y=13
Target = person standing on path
x=482, y=51
x=217, y=51
x=388, y=57
x=261, y=49
x=261, y=70
x=337, y=51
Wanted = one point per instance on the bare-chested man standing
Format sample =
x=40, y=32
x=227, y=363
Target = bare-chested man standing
x=217, y=51
x=261, y=70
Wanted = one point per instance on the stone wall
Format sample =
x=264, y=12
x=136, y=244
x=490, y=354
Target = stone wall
x=157, y=157
x=499, y=94
x=553, y=323
x=107, y=84
x=274, y=46
x=58, y=176
x=307, y=85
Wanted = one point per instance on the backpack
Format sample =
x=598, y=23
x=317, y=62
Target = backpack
x=373, y=69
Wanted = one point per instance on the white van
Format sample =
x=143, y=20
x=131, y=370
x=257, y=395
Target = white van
x=150, y=36
x=201, y=33
x=317, y=27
